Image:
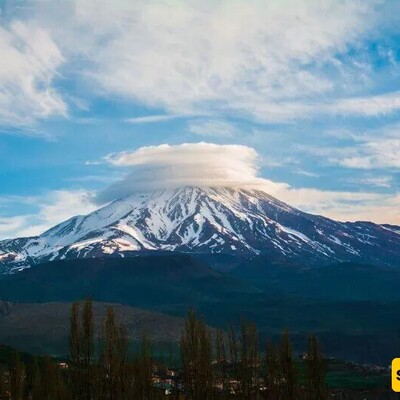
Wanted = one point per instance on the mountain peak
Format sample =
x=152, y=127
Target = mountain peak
x=227, y=220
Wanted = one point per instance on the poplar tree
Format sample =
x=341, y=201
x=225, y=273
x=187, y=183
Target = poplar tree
x=249, y=361
x=221, y=362
x=196, y=356
x=33, y=380
x=315, y=371
x=4, y=384
x=288, y=368
x=86, y=349
x=17, y=377
x=206, y=379
x=109, y=356
x=75, y=352
x=233, y=351
x=273, y=377
x=52, y=386
x=123, y=378
x=143, y=371
x=114, y=368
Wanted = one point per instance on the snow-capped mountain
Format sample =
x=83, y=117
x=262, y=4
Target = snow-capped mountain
x=206, y=220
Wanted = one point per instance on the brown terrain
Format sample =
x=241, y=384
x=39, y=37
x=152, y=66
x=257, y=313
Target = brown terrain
x=44, y=327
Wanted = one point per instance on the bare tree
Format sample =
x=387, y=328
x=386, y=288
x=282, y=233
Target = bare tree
x=17, y=377
x=288, y=368
x=315, y=371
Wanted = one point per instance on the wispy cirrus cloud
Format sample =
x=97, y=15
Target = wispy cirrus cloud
x=367, y=149
x=344, y=205
x=374, y=181
x=374, y=105
x=212, y=127
x=49, y=209
x=149, y=119
x=206, y=56
x=306, y=173
x=31, y=61
x=373, y=154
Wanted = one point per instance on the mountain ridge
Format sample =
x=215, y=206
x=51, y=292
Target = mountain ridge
x=203, y=220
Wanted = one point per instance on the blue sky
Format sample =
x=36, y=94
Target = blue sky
x=313, y=87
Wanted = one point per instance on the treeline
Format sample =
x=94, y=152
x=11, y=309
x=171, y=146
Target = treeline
x=214, y=365
x=38, y=378
x=114, y=374
x=219, y=365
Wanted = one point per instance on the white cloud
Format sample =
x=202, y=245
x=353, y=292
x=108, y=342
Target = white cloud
x=212, y=128
x=379, y=153
x=377, y=181
x=306, y=173
x=195, y=164
x=343, y=205
x=203, y=164
x=206, y=164
x=368, y=149
x=52, y=208
x=11, y=227
x=30, y=62
x=148, y=119
x=368, y=106
x=272, y=61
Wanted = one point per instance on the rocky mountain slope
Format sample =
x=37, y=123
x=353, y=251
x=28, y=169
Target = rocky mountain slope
x=233, y=221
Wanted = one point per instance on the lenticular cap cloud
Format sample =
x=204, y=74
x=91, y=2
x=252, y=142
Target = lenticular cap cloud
x=189, y=164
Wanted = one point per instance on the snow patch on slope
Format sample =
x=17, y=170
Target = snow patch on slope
x=205, y=220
